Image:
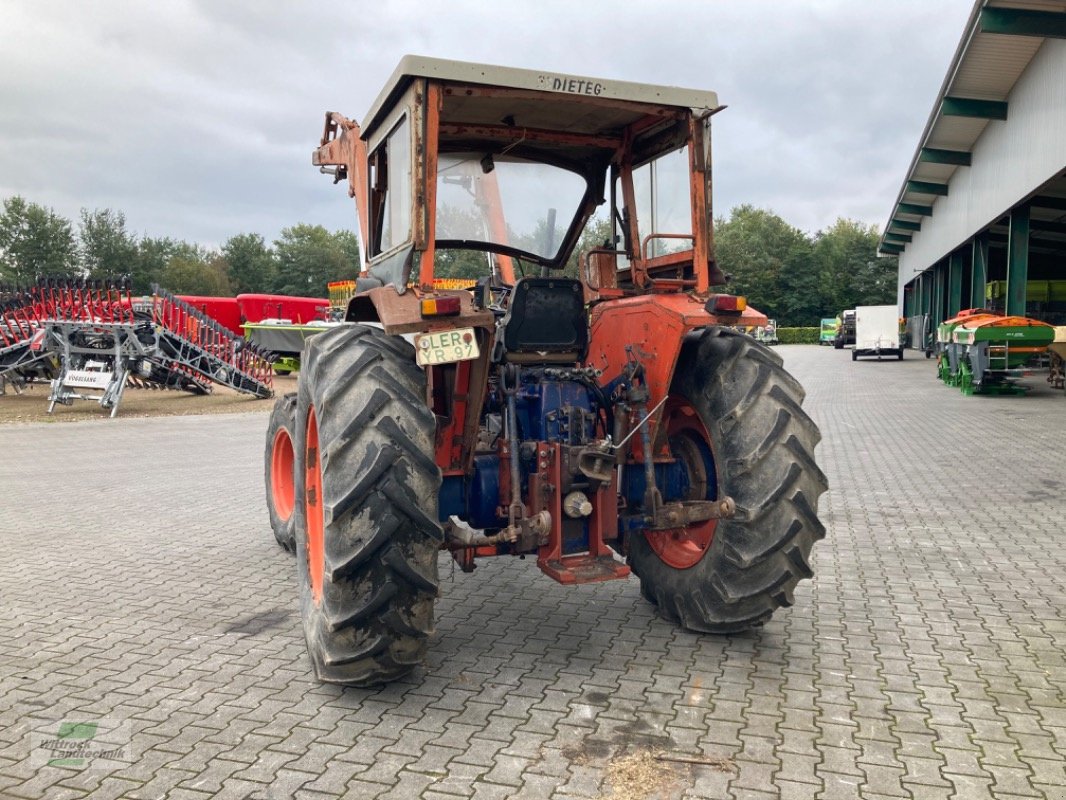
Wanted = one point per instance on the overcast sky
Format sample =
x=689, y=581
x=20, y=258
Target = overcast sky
x=197, y=118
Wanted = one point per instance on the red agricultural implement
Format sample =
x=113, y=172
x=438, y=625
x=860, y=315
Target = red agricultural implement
x=233, y=312
x=294, y=310
x=226, y=311
x=600, y=424
x=282, y=324
x=275, y=323
x=23, y=356
x=100, y=340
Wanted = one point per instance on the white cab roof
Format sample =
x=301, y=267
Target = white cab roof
x=544, y=81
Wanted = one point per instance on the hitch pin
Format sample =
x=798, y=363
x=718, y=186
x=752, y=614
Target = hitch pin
x=636, y=427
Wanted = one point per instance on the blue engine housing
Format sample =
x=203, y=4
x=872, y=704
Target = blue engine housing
x=554, y=411
x=548, y=411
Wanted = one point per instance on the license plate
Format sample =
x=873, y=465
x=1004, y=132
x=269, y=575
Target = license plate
x=87, y=379
x=445, y=347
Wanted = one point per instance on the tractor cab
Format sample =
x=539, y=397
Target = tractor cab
x=473, y=171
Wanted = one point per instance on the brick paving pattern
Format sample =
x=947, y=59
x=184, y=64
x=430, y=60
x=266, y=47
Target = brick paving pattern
x=139, y=582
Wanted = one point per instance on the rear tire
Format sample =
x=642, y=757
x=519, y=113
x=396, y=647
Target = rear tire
x=367, y=533
x=763, y=445
x=279, y=462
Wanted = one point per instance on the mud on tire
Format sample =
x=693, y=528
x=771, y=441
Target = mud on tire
x=763, y=445
x=279, y=457
x=367, y=592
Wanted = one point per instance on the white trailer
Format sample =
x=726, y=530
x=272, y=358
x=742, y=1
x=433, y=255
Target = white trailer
x=877, y=332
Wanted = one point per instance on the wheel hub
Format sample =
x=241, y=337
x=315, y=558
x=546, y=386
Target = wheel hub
x=683, y=547
x=282, y=487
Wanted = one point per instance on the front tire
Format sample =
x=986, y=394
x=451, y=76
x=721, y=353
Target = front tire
x=367, y=534
x=279, y=462
x=762, y=443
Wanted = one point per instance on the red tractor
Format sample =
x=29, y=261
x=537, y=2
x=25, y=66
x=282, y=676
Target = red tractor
x=610, y=422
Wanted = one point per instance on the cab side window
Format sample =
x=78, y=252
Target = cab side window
x=390, y=190
x=664, y=202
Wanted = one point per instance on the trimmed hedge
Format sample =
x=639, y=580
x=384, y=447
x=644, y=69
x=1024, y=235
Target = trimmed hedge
x=798, y=335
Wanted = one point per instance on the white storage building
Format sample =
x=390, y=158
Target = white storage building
x=980, y=218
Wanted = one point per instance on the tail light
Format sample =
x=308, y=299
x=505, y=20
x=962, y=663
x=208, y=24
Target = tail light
x=726, y=304
x=447, y=306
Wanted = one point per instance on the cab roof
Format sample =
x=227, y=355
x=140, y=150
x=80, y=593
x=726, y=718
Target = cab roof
x=599, y=118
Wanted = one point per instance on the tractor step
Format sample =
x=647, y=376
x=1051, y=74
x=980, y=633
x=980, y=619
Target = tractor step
x=584, y=569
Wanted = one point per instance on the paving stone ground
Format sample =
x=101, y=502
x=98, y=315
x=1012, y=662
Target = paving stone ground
x=139, y=583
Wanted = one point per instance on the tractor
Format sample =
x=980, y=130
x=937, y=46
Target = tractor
x=596, y=408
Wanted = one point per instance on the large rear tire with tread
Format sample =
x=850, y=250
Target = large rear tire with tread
x=279, y=462
x=367, y=533
x=763, y=456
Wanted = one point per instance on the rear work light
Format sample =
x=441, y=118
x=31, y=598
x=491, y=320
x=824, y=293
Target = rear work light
x=440, y=306
x=726, y=304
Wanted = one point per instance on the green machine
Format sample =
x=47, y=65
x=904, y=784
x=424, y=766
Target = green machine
x=284, y=339
x=947, y=354
x=983, y=352
x=828, y=331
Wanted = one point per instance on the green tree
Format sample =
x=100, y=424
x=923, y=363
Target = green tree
x=851, y=273
x=597, y=233
x=107, y=248
x=250, y=263
x=471, y=264
x=153, y=255
x=153, y=260
x=801, y=302
x=191, y=271
x=770, y=262
x=348, y=243
x=309, y=257
x=33, y=240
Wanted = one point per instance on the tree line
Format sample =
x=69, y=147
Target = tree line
x=35, y=240
x=792, y=276
x=798, y=278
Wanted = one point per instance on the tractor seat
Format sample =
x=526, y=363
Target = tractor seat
x=545, y=323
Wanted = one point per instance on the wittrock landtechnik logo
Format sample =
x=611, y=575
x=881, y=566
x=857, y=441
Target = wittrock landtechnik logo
x=80, y=744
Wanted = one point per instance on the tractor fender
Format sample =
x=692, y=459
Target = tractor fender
x=653, y=328
x=402, y=313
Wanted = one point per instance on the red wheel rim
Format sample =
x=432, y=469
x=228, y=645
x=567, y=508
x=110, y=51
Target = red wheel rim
x=690, y=443
x=282, y=486
x=316, y=548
